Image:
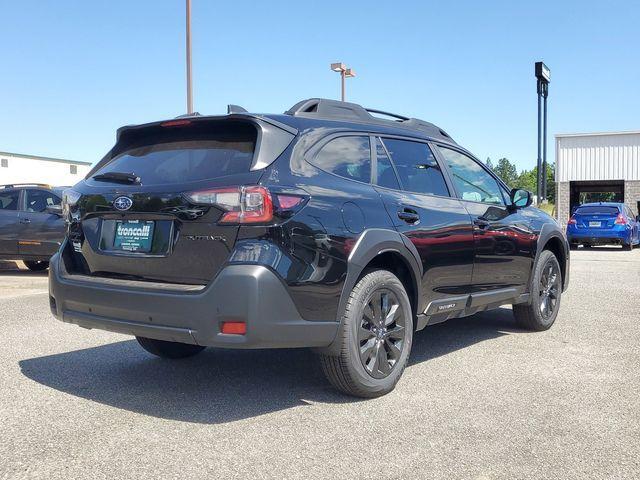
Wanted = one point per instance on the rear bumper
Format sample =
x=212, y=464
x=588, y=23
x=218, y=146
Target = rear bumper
x=247, y=293
x=598, y=236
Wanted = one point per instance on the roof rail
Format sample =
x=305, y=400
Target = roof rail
x=323, y=107
x=334, y=109
x=14, y=185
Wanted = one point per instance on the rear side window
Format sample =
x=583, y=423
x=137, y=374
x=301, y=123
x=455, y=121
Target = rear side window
x=189, y=155
x=417, y=167
x=39, y=200
x=472, y=182
x=597, y=210
x=349, y=157
x=9, y=200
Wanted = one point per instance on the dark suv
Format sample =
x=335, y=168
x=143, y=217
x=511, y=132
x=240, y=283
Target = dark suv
x=31, y=227
x=326, y=227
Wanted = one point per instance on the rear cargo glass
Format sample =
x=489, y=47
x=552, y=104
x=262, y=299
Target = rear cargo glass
x=188, y=154
x=597, y=210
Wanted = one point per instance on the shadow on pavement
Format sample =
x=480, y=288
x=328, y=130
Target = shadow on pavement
x=219, y=385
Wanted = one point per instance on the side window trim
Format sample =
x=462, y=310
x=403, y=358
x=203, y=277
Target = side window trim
x=393, y=165
x=500, y=184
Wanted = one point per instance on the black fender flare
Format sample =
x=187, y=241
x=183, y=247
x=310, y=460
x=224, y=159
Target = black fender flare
x=547, y=232
x=371, y=243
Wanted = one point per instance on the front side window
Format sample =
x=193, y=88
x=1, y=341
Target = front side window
x=349, y=157
x=39, y=200
x=417, y=168
x=9, y=200
x=472, y=182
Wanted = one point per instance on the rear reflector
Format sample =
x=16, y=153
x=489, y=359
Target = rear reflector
x=234, y=328
x=289, y=201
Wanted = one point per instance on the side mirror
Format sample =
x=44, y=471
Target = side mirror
x=521, y=198
x=54, y=210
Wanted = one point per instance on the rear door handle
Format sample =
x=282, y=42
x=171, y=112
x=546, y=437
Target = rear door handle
x=408, y=215
x=25, y=220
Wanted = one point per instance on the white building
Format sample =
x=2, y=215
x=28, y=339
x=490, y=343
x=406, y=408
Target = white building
x=18, y=168
x=589, y=165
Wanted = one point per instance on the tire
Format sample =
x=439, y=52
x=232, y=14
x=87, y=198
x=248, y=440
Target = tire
x=374, y=342
x=36, y=265
x=546, y=293
x=573, y=246
x=172, y=350
x=627, y=247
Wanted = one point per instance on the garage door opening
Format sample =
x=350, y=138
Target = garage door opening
x=588, y=192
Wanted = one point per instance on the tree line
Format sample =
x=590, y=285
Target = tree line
x=526, y=179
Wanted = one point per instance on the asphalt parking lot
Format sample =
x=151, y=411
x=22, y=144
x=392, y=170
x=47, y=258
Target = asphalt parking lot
x=480, y=399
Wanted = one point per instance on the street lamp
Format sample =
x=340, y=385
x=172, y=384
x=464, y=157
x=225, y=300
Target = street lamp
x=188, y=45
x=543, y=74
x=344, y=73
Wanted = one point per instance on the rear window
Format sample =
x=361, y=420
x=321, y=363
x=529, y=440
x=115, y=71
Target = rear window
x=597, y=210
x=188, y=155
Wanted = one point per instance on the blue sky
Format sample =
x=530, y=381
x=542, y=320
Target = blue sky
x=74, y=71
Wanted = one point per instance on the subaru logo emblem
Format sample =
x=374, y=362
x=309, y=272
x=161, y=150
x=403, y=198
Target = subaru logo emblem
x=122, y=203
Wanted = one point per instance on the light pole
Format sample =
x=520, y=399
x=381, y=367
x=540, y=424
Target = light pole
x=543, y=74
x=344, y=73
x=189, y=82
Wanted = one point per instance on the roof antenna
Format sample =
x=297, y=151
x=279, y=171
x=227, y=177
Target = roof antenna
x=235, y=109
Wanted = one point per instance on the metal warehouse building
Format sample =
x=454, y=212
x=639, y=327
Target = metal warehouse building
x=591, y=164
x=19, y=168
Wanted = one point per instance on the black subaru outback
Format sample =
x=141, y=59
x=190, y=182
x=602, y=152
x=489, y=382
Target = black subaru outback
x=330, y=226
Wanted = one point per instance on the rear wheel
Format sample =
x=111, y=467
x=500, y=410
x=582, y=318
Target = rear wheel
x=172, y=350
x=627, y=246
x=375, y=337
x=573, y=246
x=36, y=265
x=546, y=292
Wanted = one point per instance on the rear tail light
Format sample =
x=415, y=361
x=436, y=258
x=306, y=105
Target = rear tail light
x=572, y=221
x=69, y=201
x=249, y=203
x=243, y=204
x=620, y=220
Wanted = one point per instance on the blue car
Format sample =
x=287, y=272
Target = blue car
x=603, y=224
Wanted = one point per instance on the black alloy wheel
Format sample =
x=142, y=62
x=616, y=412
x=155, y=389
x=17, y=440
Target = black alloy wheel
x=382, y=333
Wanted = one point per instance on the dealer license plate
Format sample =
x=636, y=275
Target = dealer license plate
x=133, y=235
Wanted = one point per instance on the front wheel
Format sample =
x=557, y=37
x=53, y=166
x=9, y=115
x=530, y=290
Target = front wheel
x=172, y=350
x=36, y=266
x=375, y=337
x=546, y=292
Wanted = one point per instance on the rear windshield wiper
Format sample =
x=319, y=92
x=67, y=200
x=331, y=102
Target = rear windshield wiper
x=119, y=177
